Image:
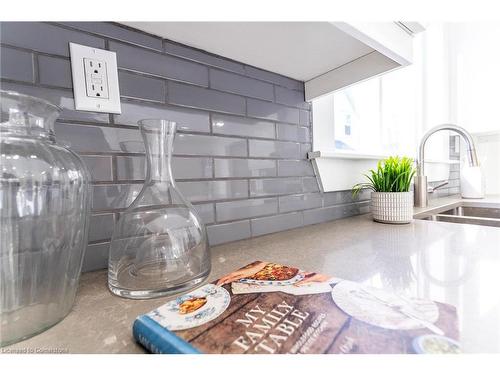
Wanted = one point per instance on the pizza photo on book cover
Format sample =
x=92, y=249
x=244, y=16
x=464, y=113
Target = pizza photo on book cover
x=269, y=308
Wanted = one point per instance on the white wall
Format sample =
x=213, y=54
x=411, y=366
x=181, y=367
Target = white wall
x=474, y=54
x=473, y=57
x=488, y=149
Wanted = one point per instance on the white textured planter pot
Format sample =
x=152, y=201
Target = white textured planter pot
x=392, y=208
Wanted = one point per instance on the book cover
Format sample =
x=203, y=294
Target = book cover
x=268, y=308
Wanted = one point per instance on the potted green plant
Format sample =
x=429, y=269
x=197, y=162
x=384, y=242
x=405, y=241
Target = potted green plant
x=391, y=199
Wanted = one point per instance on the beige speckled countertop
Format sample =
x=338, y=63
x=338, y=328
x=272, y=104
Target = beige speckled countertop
x=447, y=262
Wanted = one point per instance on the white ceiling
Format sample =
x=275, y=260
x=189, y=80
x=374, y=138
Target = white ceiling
x=300, y=50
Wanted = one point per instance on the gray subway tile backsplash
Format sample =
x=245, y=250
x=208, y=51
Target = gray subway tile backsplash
x=96, y=257
x=295, y=168
x=321, y=215
x=206, y=212
x=345, y=196
x=277, y=223
x=304, y=117
x=43, y=37
x=88, y=138
x=141, y=87
x=364, y=207
x=241, y=85
x=193, y=144
x=274, y=78
x=101, y=227
x=146, y=61
x=134, y=168
x=54, y=71
x=294, y=133
x=100, y=167
x=187, y=119
x=177, y=49
x=304, y=149
x=190, y=168
x=234, y=231
x=244, y=168
x=273, y=149
x=16, y=64
x=95, y=139
x=242, y=209
x=242, y=126
x=197, y=191
x=275, y=186
x=239, y=156
x=300, y=202
x=310, y=184
x=130, y=167
x=199, y=97
x=114, y=196
x=289, y=97
x=272, y=111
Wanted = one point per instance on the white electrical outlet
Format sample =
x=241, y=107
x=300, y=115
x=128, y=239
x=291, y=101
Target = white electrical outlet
x=95, y=79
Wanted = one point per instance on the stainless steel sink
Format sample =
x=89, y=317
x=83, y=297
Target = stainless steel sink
x=465, y=214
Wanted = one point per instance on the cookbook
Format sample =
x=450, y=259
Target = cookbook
x=269, y=308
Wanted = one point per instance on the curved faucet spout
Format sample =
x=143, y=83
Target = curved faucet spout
x=471, y=149
x=420, y=186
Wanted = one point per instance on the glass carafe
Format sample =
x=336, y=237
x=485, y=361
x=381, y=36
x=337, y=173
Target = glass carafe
x=159, y=244
x=44, y=212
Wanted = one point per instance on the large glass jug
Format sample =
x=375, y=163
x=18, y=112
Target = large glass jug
x=159, y=244
x=44, y=211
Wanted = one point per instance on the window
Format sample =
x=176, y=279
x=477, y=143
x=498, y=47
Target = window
x=387, y=114
x=357, y=109
x=378, y=116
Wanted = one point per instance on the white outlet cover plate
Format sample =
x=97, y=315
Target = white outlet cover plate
x=83, y=102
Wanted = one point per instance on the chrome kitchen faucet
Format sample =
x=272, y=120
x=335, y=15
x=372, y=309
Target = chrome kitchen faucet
x=420, y=187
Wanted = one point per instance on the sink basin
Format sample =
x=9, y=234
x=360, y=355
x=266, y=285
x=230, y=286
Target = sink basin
x=465, y=214
x=474, y=211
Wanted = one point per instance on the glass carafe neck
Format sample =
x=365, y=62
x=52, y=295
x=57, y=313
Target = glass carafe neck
x=158, y=138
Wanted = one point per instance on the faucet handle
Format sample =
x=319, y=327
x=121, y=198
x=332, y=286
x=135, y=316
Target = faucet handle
x=433, y=189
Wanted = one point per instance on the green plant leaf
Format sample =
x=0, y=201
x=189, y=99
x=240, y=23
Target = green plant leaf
x=393, y=174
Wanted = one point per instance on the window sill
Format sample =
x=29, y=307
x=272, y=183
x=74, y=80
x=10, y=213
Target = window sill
x=340, y=171
x=345, y=155
x=356, y=156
